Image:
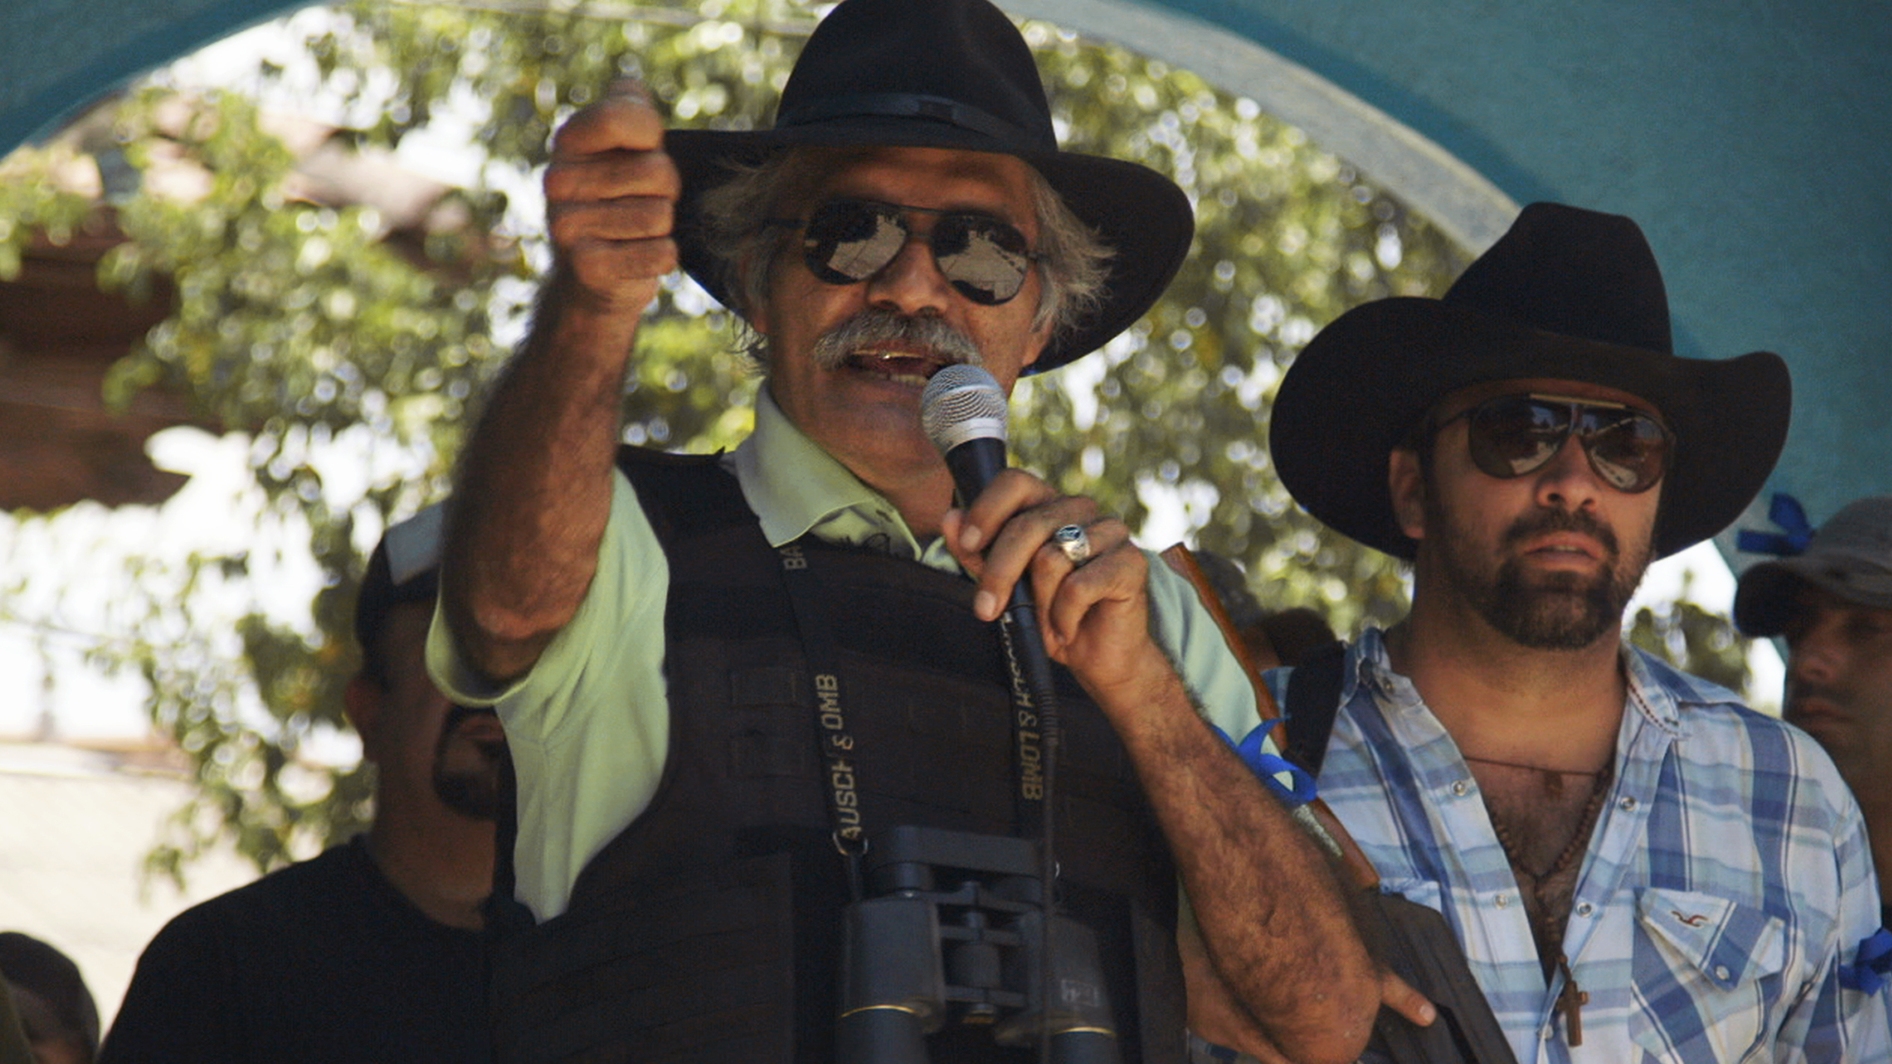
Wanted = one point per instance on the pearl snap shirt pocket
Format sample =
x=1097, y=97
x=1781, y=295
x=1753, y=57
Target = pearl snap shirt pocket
x=1704, y=971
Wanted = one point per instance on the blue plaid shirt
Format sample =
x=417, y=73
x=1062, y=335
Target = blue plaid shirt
x=1727, y=880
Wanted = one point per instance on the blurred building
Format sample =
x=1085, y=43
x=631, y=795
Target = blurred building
x=60, y=333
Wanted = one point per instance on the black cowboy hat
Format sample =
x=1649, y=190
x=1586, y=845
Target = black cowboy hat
x=948, y=74
x=1566, y=294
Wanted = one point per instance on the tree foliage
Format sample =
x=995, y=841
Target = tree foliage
x=1694, y=640
x=299, y=324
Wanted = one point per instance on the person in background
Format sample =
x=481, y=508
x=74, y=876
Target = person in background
x=371, y=952
x=55, y=1009
x=1833, y=605
x=1638, y=868
x=14, y=1048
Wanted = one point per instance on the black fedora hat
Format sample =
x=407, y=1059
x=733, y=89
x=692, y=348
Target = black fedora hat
x=947, y=74
x=1566, y=294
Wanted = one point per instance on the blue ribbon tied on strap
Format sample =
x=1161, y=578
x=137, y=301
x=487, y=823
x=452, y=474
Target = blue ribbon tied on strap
x=1870, y=966
x=1795, y=532
x=1288, y=782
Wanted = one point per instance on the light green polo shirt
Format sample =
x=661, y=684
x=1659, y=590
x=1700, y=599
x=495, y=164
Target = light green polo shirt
x=589, y=725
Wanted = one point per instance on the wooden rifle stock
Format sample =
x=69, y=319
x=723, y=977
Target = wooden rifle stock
x=1410, y=939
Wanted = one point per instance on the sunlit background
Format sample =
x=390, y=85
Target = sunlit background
x=164, y=664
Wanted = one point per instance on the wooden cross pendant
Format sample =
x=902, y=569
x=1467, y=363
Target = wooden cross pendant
x=1570, y=1002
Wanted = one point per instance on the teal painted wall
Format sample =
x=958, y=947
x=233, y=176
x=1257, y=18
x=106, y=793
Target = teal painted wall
x=1752, y=141
x=1751, y=138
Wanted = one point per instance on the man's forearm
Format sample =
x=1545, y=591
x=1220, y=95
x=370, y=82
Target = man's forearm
x=533, y=492
x=1274, y=920
x=1272, y=915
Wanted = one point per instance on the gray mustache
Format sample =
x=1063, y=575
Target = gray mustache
x=871, y=328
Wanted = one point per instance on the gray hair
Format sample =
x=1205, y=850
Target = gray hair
x=1073, y=260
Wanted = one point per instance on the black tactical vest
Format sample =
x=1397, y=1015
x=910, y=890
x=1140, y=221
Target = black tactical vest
x=709, y=929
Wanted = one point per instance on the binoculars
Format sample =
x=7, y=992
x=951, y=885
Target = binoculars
x=952, y=931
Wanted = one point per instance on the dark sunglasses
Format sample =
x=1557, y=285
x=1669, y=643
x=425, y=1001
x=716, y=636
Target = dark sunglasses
x=1517, y=434
x=847, y=241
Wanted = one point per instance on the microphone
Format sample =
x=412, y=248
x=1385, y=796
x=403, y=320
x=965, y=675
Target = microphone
x=963, y=412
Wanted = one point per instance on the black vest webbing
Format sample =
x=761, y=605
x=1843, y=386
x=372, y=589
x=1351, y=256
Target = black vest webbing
x=708, y=930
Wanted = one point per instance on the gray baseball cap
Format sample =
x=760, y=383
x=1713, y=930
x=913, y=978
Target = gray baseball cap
x=1850, y=556
x=405, y=567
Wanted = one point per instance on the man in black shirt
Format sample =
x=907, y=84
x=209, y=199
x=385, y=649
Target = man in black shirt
x=371, y=952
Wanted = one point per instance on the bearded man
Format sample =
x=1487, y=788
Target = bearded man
x=371, y=951
x=1637, y=867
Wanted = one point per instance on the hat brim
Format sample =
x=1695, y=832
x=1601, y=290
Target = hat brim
x=1360, y=386
x=1764, y=601
x=1140, y=215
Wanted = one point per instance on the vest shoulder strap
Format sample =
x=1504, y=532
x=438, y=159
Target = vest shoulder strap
x=684, y=495
x=1313, y=698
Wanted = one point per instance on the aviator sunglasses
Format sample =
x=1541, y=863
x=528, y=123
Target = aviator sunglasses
x=847, y=241
x=1517, y=434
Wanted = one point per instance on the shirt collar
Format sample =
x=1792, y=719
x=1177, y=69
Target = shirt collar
x=1369, y=664
x=1658, y=703
x=793, y=485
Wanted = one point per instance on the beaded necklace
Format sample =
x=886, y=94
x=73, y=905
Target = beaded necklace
x=1550, y=910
